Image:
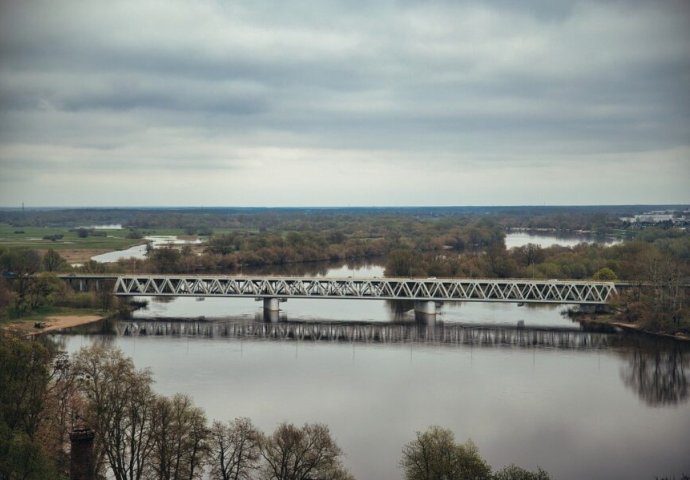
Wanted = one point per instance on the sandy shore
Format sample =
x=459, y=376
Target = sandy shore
x=59, y=322
x=53, y=323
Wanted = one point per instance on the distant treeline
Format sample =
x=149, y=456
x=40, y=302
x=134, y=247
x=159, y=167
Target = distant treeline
x=230, y=252
x=561, y=217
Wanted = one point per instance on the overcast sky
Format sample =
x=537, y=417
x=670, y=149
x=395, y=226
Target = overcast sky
x=275, y=103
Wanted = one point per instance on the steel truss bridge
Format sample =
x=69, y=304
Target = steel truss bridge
x=428, y=289
x=375, y=333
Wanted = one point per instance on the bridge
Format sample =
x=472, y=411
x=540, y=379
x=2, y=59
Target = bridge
x=427, y=293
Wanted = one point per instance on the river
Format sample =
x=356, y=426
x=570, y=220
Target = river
x=580, y=405
x=549, y=239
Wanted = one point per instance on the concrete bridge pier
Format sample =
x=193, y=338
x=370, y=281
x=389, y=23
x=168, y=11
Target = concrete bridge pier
x=272, y=308
x=425, y=311
x=271, y=304
x=271, y=316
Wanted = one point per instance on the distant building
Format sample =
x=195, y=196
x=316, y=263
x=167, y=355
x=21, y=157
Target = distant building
x=649, y=218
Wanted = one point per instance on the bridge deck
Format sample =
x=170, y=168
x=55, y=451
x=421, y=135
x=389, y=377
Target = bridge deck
x=418, y=289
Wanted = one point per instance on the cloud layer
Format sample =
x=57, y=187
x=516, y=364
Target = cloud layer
x=344, y=103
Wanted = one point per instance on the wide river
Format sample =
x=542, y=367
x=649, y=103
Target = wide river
x=580, y=405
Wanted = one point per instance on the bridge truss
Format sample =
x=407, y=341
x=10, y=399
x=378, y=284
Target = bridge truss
x=480, y=290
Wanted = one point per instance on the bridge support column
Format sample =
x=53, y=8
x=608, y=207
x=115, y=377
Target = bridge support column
x=271, y=304
x=425, y=311
x=271, y=316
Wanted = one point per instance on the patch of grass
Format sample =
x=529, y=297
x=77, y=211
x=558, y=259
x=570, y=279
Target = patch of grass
x=33, y=237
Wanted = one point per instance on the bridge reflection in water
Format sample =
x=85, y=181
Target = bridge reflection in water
x=385, y=333
x=656, y=369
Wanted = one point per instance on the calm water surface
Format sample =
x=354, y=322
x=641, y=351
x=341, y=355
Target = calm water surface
x=139, y=251
x=519, y=239
x=616, y=408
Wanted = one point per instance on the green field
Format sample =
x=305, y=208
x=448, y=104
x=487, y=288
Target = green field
x=32, y=237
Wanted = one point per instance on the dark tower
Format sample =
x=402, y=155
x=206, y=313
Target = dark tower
x=81, y=458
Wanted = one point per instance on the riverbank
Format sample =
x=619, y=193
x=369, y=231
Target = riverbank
x=611, y=321
x=50, y=321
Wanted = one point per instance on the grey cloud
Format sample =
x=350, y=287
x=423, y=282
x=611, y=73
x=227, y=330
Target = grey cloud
x=204, y=84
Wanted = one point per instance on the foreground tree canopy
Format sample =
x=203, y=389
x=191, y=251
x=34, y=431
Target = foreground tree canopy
x=435, y=455
x=141, y=435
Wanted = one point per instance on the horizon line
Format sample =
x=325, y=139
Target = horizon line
x=335, y=207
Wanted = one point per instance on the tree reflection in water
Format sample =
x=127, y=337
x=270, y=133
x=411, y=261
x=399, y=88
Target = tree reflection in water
x=658, y=371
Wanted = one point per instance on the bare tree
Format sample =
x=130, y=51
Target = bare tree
x=121, y=405
x=235, y=450
x=63, y=402
x=310, y=452
x=180, y=438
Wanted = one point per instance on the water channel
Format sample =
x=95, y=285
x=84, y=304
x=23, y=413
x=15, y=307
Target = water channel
x=549, y=239
x=578, y=404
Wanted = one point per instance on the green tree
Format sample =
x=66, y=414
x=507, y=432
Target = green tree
x=224, y=244
x=293, y=453
x=434, y=455
x=605, y=274
x=7, y=296
x=52, y=261
x=401, y=263
x=165, y=260
x=513, y=472
x=501, y=264
x=21, y=263
x=44, y=289
x=24, y=376
x=134, y=234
